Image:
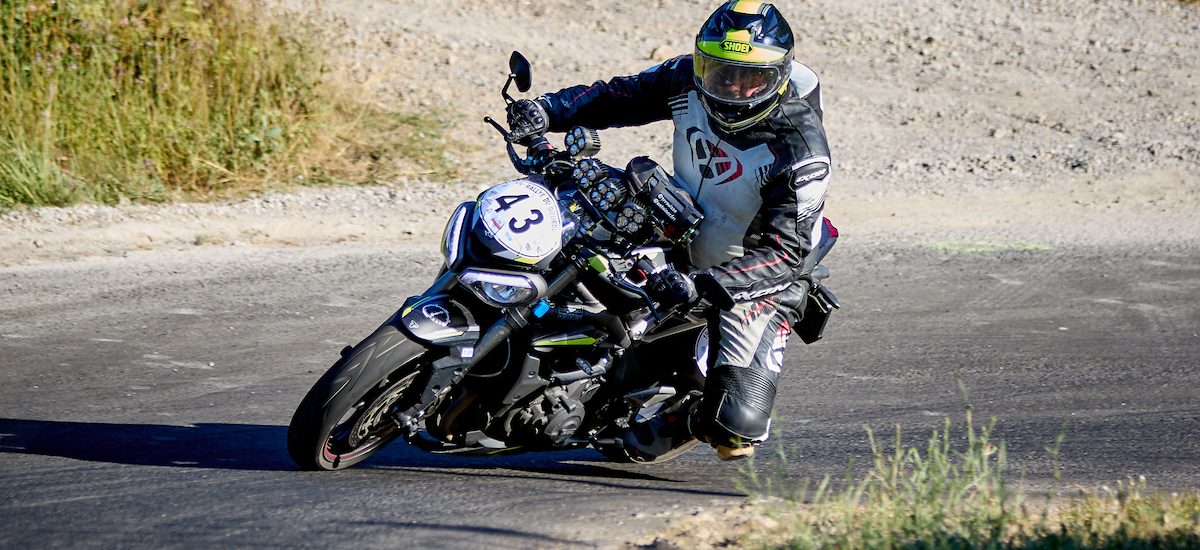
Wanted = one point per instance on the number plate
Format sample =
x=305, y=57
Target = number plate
x=523, y=217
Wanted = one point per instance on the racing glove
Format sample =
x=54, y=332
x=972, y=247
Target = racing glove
x=526, y=118
x=672, y=288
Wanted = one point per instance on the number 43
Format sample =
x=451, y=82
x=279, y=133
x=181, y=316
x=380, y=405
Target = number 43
x=507, y=201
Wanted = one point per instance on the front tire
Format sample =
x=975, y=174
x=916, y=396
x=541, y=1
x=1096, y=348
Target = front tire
x=344, y=418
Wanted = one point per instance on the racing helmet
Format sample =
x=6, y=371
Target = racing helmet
x=742, y=63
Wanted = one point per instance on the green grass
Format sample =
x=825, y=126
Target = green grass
x=990, y=248
x=154, y=100
x=940, y=496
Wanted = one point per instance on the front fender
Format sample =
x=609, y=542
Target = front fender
x=437, y=320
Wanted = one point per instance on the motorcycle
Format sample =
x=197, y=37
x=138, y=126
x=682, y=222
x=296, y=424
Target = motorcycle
x=539, y=333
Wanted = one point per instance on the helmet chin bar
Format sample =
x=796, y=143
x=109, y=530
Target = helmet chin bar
x=753, y=113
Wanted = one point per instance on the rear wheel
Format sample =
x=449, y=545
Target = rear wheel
x=344, y=418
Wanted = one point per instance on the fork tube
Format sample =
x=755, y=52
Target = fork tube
x=516, y=318
x=443, y=283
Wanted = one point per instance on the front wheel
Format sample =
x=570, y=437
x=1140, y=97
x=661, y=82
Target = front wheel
x=344, y=417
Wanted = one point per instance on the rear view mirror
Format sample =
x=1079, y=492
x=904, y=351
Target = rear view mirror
x=519, y=67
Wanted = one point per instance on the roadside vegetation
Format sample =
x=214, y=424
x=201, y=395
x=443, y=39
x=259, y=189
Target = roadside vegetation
x=943, y=497
x=153, y=100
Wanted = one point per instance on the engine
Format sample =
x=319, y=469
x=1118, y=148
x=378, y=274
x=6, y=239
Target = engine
x=553, y=416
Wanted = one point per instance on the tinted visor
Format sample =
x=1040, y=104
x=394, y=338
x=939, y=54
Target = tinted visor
x=737, y=83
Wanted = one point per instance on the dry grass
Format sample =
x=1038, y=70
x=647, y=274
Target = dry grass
x=943, y=497
x=153, y=100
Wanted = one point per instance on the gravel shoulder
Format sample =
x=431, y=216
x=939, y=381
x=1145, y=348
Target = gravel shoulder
x=1074, y=123
x=1149, y=209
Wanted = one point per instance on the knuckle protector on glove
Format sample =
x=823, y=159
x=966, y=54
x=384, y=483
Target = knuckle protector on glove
x=738, y=402
x=526, y=118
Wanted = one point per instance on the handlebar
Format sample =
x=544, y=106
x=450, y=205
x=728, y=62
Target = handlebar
x=540, y=154
x=522, y=165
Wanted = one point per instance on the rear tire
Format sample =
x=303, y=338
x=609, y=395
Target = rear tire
x=344, y=418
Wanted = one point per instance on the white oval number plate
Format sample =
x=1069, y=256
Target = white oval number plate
x=523, y=217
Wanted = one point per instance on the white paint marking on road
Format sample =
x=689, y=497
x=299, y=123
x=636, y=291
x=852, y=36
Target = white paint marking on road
x=1005, y=281
x=174, y=364
x=864, y=378
x=104, y=340
x=1147, y=308
x=339, y=301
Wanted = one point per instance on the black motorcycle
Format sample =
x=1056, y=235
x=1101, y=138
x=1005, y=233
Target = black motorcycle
x=538, y=334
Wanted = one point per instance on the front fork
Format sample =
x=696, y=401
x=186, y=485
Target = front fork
x=462, y=357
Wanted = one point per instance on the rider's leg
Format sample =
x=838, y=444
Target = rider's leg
x=745, y=358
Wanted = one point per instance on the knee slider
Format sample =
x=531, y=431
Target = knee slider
x=737, y=404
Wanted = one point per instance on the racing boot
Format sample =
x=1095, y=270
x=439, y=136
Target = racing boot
x=734, y=453
x=735, y=413
x=728, y=448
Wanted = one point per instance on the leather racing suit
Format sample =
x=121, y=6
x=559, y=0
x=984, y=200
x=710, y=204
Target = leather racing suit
x=762, y=192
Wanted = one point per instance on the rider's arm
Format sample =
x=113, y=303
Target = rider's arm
x=792, y=206
x=622, y=101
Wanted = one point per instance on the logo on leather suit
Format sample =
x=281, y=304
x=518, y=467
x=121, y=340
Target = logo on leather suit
x=715, y=163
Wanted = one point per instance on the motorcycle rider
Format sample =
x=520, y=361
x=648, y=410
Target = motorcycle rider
x=750, y=149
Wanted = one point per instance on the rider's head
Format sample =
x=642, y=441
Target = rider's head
x=743, y=60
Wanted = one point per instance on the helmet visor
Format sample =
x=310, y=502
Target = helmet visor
x=736, y=83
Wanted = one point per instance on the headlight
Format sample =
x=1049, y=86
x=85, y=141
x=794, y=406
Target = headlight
x=452, y=236
x=504, y=288
x=582, y=142
x=631, y=218
x=587, y=172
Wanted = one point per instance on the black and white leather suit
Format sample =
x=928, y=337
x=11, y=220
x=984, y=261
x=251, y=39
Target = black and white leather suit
x=762, y=191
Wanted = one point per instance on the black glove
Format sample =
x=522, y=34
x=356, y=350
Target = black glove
x=671, y=288
x=526, y=118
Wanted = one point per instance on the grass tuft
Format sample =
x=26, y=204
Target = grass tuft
x=154, y=100
x=940, y=496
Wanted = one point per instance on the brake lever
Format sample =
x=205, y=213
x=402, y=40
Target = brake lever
x=626, y=285
x=516, y=159
x=498, y=128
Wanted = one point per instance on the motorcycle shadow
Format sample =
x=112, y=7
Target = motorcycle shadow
x=264, y=448
x=579, y=463
x=220, y=446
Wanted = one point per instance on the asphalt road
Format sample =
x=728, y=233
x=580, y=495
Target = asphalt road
x=145, y=399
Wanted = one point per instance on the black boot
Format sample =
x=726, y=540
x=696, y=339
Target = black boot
x=665, y=435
